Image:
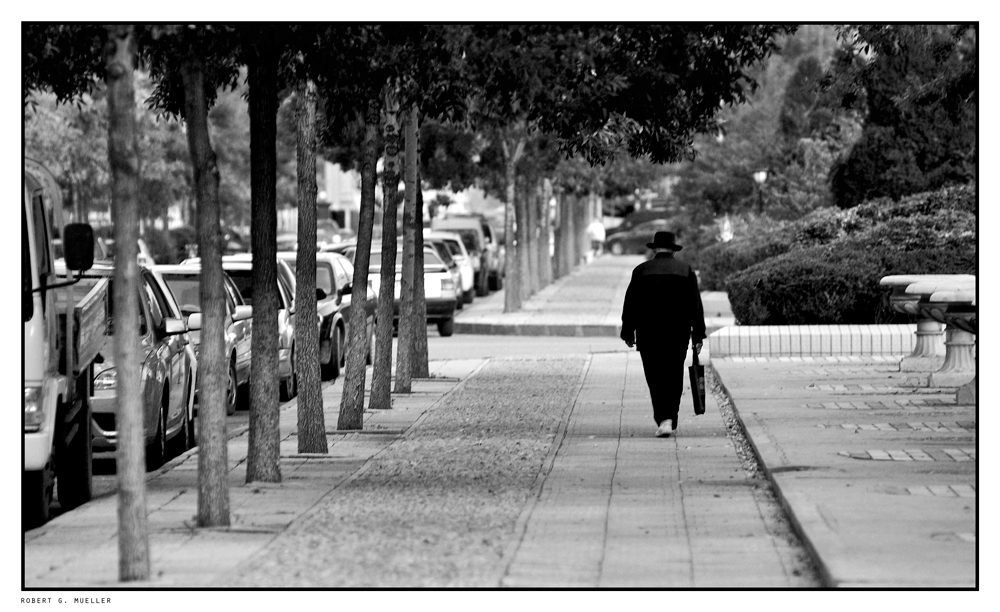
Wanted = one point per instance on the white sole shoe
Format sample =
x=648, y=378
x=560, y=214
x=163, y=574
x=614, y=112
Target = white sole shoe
x=664, y=431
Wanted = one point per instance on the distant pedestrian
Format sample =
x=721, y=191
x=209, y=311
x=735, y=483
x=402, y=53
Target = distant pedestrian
x=662, y=312
x=597, y=236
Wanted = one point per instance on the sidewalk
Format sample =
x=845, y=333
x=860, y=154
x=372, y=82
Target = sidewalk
x=587, y=302
x=79, y=549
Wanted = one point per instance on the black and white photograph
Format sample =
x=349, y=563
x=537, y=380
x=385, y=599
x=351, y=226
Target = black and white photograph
x=566, y=303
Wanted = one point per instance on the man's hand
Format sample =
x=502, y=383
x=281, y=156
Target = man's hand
x=629, y=338
x=697, y=348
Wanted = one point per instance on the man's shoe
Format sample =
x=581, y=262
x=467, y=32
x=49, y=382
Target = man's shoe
x=664, y=430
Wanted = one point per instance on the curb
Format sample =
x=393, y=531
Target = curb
x=796, y=522
x=541, y=329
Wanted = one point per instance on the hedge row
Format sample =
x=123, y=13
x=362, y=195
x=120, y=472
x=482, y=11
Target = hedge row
x=831, y=269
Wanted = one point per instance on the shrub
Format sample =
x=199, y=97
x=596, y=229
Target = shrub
x=838, y=283
x=719, y=261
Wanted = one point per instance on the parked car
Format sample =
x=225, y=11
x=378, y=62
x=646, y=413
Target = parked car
x=439, y=288
x=333, y=294
x=184, y=282
x=166, y=374
x=456, y=274
x=634, y=240
x=452, y=243
x=483, y=254
x=240, y=267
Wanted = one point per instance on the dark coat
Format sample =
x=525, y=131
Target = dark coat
x=663, y=304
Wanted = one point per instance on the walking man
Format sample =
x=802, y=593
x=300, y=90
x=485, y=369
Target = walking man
x=662, y=312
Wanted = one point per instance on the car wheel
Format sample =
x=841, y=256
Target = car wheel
x=232, y=389
x=469, y=295
x=616, y=248
x=331, y=370
x=38, y=492
x=181, y=440
x=289, y=387
x=446, y=327
x=156, y=450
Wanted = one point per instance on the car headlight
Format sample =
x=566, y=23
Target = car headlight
x=34, y=414
x=107, y=380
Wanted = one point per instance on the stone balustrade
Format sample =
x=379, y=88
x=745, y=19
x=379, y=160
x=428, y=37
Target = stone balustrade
x=936, y=301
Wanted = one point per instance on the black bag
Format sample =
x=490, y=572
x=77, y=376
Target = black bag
x=697, y=374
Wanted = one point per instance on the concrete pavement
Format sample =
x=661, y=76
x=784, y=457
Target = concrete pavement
x=878, y=475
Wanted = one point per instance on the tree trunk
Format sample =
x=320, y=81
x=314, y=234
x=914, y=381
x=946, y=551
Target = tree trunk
x=213, y=462
x=382, y=374
x=533, y=234
x=513, y=148
x=420, y=367
x=407, y=286
x=311, y=425
x=262, y=460
x=133, y=530
x=545, y=228
x=559, y=252
x=570, y=231
x=353, y=398
x=523, y=230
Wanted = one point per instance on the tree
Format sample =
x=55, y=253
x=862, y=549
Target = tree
x=69, y=60
x=133, y=531
x=311, y=425
x=188, y=88
x=261, y=51
x=917, y=86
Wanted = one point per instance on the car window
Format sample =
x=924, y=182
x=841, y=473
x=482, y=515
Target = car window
x=155, y=306
x=344, y=272
x=324, y=278
x=241, y=278
x=443, y=252
x=453, y=247
x=233, y=297
x=285, y=293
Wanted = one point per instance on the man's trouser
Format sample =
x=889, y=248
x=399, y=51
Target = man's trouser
x=664, y=370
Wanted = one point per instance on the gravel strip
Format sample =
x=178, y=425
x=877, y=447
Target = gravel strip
x=439, y=507
x=796, y=557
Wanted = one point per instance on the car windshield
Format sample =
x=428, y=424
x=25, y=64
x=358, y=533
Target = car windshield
x=469, y=237
x=186, y=290
x=453, y=247
x=324, y=278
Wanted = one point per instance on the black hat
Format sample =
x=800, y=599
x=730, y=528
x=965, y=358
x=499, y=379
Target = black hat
x=664, y=240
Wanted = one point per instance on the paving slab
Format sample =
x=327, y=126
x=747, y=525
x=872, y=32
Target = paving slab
x=621, y=508
x=844, y=458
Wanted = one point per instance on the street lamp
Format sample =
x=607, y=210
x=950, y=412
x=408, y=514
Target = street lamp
x=759, y=177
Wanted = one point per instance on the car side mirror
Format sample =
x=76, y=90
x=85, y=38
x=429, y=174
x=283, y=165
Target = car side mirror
x=242, y=313
x=78, y=246
x=346, y=289
x=320, y=294
x=194, y=321
x=172, y=326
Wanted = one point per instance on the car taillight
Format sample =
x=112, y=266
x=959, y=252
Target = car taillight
x=447, y=285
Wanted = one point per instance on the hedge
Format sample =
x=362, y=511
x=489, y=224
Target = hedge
x=838, y=283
